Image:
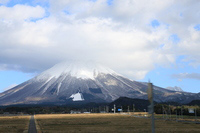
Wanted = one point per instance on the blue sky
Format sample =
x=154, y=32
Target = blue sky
x=158, y=40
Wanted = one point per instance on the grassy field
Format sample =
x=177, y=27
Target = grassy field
x=14, y=124
x=107, y=123
x=174, y=117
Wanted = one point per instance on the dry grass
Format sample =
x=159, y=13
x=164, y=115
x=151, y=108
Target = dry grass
x=14, y=124
x=107, y=123
x=174, y=117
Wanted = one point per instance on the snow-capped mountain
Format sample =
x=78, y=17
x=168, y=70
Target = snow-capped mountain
x=175, y=88
x=84, y=82
x=79, y=70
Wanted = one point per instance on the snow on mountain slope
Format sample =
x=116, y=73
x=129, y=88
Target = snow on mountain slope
x=175, y=88
x=77, y=69
x=77, y=97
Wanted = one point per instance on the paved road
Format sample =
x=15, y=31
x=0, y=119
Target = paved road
x=32, y=126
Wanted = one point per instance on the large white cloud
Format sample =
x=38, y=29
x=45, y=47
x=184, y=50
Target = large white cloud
x=119, y=35
x=21, y=12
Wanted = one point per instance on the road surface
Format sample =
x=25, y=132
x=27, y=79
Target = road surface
x=32, y=126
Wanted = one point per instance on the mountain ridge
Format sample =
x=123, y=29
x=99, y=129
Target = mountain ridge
x=94, y=83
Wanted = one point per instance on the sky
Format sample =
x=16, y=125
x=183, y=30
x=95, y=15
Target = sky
x=141, y=39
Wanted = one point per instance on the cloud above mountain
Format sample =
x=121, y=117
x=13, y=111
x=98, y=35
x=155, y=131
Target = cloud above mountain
x=182, y=76
x=131, y=37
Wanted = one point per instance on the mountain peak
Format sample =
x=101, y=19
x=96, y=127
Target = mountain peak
x=175, y=88
x=83, y=70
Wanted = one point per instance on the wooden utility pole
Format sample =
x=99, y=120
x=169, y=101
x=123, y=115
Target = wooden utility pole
x=128, y=110
x=151, y=107
x=114, y=108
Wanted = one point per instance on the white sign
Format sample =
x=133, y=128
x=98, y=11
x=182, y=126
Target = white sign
x=191, y=110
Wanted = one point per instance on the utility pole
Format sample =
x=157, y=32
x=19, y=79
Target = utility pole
x=128, y=110
x=181, y=113
x=169, y=112
x=107, y=109
x=151, y=107
x=114, y=108
x=195, y=114
x=163, y=111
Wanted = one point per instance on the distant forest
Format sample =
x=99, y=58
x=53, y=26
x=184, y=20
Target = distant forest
x=122, y=104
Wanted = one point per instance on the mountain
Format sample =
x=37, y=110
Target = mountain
x=175, y=88
x=85, y=82
x=194, y=103
x=139, y=104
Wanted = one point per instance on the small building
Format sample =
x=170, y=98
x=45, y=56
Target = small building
x=75, y=112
